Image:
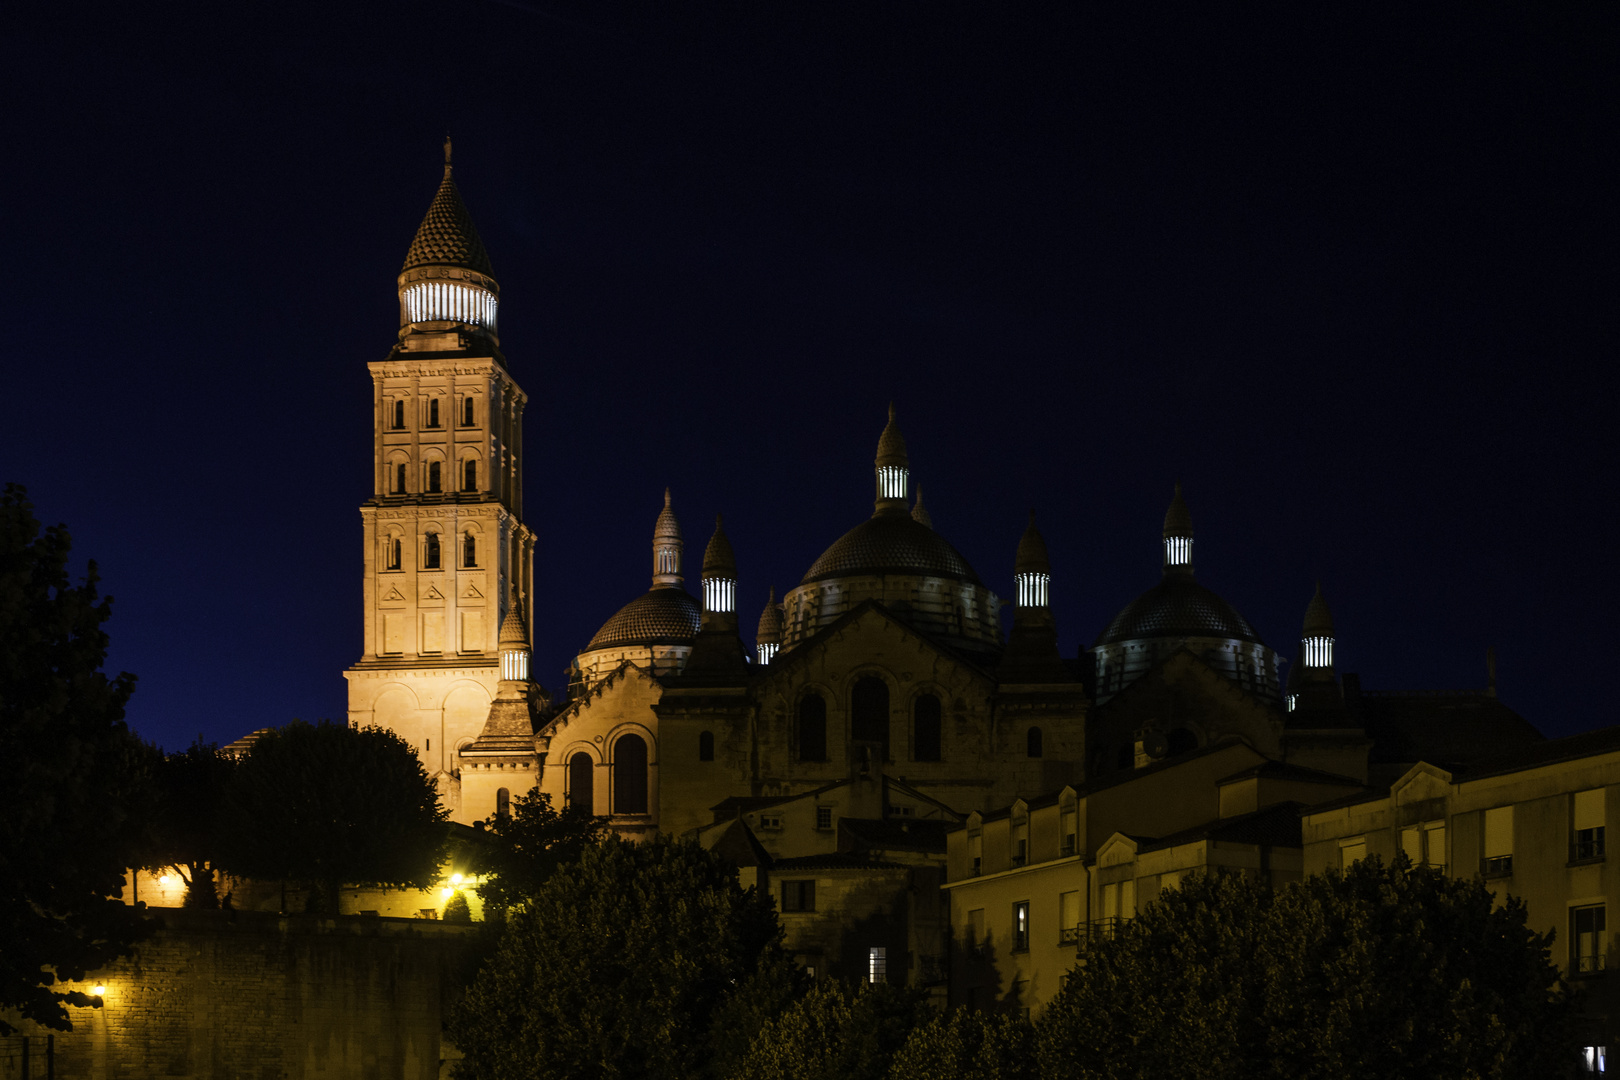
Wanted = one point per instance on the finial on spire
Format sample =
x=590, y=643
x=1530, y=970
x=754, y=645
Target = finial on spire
x=919, y=512
x=667, y=546
x=447, y=153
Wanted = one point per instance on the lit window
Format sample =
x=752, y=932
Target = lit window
x=706, y=746
x=433, y=412
x=1588, y=927
x=1589, y=822
x=430, y=552
x=798, y=896
x=467, y=412
x=469, y=551
x=891, y=482
x=1032, y=589
x=469, y=475
x=1020, y=935
x=767, y=650
x=719, y=594
x=877, y=964
x=1498, y=860
x=1593, y=1060
x=1178, y=551
x=433, y=476
x=399, y=414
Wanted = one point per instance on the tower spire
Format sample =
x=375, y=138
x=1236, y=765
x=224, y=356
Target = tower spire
x=719, y=575
x=667, y=547
x=768, y=636
x=447, y=155
x=919, y=512
x=893, y=469
x=1178, y=536
x=446, y=286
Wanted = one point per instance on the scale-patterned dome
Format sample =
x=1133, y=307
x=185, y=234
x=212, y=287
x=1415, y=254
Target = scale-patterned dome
x=891, y=544
x=1178, y=607
x=447, y=236
x=664, y=616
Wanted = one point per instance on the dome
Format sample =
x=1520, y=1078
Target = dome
x=447, y=236
x=891, y=544
x=1032, y=557
x=1318, y=620
x=770, y=622
x=718, y=558
x=659, y=617
x=1178, y=607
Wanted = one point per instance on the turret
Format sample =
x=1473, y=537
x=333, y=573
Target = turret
x=1178, y=536
x=1313, y=682
x=893, y=470
x=447, y=289
x=667, y=548
x=768, y=637
x=919, y=512
x=514, y=643
x=719, y=580
x=1032, y=652
x=1032, y=570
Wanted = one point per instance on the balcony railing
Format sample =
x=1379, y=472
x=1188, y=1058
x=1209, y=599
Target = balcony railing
x=1586, y=850
x=1497, y=866
x=1590, y=964
x=1069, y=935
x=1104, y=928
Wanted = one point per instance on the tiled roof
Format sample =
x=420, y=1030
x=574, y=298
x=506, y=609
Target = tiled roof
x=660, y=616
x=1587, y=744
x=1280, y=770
x=896, y=834
x=1277, y=826
x=447, y=236
x=892, y=543
x=834, y=861
x=1178, y=606
x=1445, y=728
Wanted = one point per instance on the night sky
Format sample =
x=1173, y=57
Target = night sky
x=1349, y=275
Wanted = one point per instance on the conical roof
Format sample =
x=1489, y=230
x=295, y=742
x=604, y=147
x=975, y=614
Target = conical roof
x=891, y=444
x=447, y=236
x=514, y=634
x=666, y=528
x=919, y=512
x=1032, y=557
x=1178, y=519
x=1318, y=620
x=770, y=622
x=718, y=559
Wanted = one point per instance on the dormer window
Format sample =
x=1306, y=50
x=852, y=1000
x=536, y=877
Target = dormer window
x=433, y=412
x=466, y=412
x=399, y=414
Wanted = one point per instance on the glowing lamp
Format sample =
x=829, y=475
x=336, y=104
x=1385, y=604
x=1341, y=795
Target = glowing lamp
x=100, y=990
x=455, y=879
x=164, y=880
x=446, y=892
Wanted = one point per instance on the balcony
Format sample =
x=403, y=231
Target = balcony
x=1497, y=866
x=1592, y=964
x=1104, y=928
x=1069, y=936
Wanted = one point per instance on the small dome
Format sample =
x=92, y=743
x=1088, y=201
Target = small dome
x=718, y=559
x=770, y=622
x=1178, y=607
x=514, y=635
x=447, y=236
x=1318, y=620
x=1031, y=557
x=891, y=543
x=1178, y=519
x=919, y=512
x=666, y=527
x=658, y=617
x=891, y=444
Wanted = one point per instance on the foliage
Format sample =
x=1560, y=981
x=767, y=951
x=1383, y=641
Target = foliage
x=330, y=805
x=457, y=911
x=76, y=777
x=963, y=1045
x=1377, y=972
x=836, y=1032
x=523, y=849
x=638, y=960
x=185, y=832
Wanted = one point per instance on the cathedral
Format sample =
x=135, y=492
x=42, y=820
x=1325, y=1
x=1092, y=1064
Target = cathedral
x=879, y=705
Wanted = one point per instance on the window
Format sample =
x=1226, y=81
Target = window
x=581, y=783
x=869, y=714
x=1020, y=842
x=1588, y=954
x=393, y=554
x=798, y=896
x=1498, y=860
x=399, y=414
x=877, y=964
x=430, y=552
x=469, y=550
x=1589, y=825
x=976, y=853
x=1170, y=880
x=1593, y=1060
x=466, y=412
x=925, y=725
x=976, y=927
x=399, y=479
x=630, y=775
x=433, y=412
x=1425, y=844
x=706, y=746
x=1032, y=742
x=469, y=475
x=433, y=483
x=824, y=817
x=1068, y=918
x=1069, y=832
x=503, y=803
x=770, y=821
x=1352, y=851
x=1020, y=934
x=812, y=727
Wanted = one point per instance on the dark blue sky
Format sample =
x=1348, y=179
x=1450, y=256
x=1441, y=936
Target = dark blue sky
x=1348, y=274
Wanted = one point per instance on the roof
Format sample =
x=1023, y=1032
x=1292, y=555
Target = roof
x=447, y=236
x=1032, y=557
x=891, y=543
x=1178, y=606
x=769, y=631
x=668, y=615
x=919, y=512
x=891, y=444
x=1318, y=620
x=736, y=805
x=842, y=860
x=896, y=834
x=718, y=558
x=1549, y=752
x=1276, y=826
x=1178, y=519
x=739, y=846
x=513, y=632
x=241, y=746
x=1281, y=770
x=1445, y=728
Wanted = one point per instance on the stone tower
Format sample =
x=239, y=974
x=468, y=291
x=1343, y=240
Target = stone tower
x=445, y=548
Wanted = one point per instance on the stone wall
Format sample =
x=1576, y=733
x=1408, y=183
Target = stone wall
x=228, y=995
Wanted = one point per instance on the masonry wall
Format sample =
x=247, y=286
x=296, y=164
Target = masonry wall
x=228, y=995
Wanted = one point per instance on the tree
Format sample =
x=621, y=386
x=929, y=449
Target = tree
x=638, y=960
x=76, y=778
x=1385, y=972
x=330, y=805
x=837, y=1032
x=186, y=831
x=523, y=849
x=964, y=1045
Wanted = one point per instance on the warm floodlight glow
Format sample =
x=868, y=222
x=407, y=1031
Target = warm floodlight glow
x=100, y=990
x=455, y=879
x=446, y=893
x=515, y=666
x=164, y=880
x=435, y=301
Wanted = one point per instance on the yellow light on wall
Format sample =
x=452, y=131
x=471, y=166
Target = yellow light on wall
x=164, y=880
x=100, y=990
x=446, y=892
x=455, y=879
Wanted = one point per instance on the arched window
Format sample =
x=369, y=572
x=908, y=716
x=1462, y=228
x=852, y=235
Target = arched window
x=582, y=783
x=430, y=552
x=433, y=476
x=399, y=479
x=466, y=412
x=393, y=554
x=1032, y=742
x=469, y=550
x=399, y=414
x=630, y=775
x=433, y=412
x=503, y=803
x=812, y=727
x=869, y=714
x=925, y=725
x=469, y=475
x=706, y=746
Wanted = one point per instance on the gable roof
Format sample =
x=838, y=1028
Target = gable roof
x=799, y=653
x=1274, y=826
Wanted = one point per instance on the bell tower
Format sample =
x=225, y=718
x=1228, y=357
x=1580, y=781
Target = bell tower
x=445, y=550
